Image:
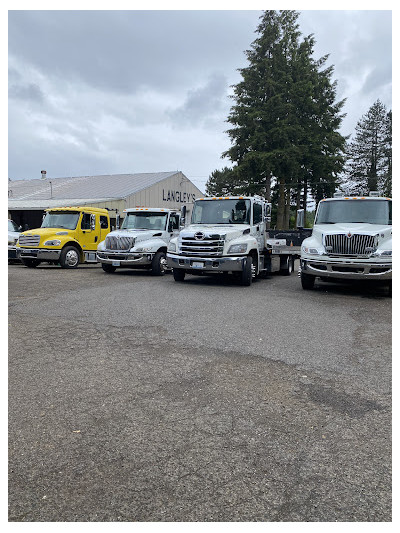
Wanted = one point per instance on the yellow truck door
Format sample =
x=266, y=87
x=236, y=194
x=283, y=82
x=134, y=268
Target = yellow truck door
x=88, y=237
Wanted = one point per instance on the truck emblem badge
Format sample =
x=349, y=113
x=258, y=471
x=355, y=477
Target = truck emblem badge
x=349, y=235
x=199, y=236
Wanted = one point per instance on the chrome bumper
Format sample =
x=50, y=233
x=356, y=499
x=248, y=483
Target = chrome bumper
x=346, y=269
x=128, y=259
x=202, y=264
x=38, y=253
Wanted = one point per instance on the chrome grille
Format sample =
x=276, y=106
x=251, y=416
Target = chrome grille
x=29, y=240
x=210, y=246
x=356, y=245
x=119, y=243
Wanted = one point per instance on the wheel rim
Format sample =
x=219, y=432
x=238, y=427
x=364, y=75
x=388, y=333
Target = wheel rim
x=163, y=264
x=71, y=258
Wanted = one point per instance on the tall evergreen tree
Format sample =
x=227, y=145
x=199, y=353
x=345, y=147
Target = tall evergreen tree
x=285, y=119
x=369, y=165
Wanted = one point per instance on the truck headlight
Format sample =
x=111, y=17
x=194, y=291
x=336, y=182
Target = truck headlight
x=238, y=248
x=385, y=253
x=310, y=250
x=172, y=247
x=142, y=249
x=54, y=242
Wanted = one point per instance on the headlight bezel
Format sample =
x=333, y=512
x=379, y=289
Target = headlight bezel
x=172, y=247
x=52, y=242
x=238, y=248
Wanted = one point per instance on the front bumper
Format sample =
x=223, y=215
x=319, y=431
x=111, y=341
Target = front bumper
x=128, y=259
x=203, y=264
x=12, y=252
x=42, y=254
x=346, y=269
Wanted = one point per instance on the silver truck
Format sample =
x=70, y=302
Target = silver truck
x=141, y=242
x=229, y=235
x=351, y=240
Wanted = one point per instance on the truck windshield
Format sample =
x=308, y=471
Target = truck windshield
x=355, y=211
x=60, y=219
x=145, y=220
x=221, y=212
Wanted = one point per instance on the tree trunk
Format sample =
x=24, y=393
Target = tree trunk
x=281, y=204
x=287, y=209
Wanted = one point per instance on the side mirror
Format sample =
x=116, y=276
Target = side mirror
x=92, y=222
x=300, y=219
x=117, y=221
x=267, y=212
x=183, y=215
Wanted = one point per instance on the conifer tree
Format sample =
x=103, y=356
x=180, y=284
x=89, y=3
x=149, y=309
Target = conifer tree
x=369, y=165
x=285, y=119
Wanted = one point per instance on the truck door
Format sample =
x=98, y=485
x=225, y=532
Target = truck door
x=173, y=225
x=258, y=227
x=89, y=237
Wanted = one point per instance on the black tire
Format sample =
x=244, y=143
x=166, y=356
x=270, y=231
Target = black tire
x=69, y=257
x=286, y=266
x=31, y=263
x=159, y=264
x=246, y=276
x=307, y=281
x=108, y=268
x=389, y=289
x=179, y=274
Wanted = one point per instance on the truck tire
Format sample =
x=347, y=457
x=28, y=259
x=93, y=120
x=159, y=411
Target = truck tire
x=179, y=274
x=108, y=268
x=69, y=257
x=307, y=281
x=246, y=276
x=286, y=266
x=159, y=264
x=30, y=263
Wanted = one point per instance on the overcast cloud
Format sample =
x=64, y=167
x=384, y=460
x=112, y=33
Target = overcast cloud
x=96, y=92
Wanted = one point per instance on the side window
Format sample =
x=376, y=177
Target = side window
x=103, y=222
x=175, y=221
x=257, y=213
x=85, y=224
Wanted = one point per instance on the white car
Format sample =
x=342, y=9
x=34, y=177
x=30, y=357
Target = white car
x=13, y=235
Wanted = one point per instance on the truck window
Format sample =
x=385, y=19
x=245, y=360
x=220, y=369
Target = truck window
x=174, y=221
x=257, y=213
x=103, y=222
x=145, y=220
x=221, y=212
x=60, y=219
x=355, y=211
x=85, y=224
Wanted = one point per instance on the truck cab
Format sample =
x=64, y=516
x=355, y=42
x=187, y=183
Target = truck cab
x=228, y=234
x=68, y=236
x=141, y=242
x=351, y=240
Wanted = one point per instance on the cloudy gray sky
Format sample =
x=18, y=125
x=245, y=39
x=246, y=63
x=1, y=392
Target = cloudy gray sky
x=107, y=92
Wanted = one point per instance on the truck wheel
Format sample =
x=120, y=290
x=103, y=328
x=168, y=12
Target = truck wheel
x=69, y=257
x=31, y=263
x=159, y=264
x=179, y=274
x=286, y=266
x=246, y=276
x=307, y=281
x=108, y=268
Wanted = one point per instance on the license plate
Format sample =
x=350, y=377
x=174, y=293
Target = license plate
x=197, y=264
x=116, y=263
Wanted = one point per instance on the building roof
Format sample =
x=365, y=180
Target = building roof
x=95, y=188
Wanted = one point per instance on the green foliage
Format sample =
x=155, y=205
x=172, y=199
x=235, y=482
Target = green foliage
x=369, y=165
x=284, y=120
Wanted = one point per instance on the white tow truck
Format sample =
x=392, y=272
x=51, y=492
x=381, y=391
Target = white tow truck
x=141, y=242
x=351, y=240
x=229, y=234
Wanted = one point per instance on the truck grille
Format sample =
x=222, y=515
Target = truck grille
x=211, y=246
x=356, y=245
x=29, y=240
x=119, y=243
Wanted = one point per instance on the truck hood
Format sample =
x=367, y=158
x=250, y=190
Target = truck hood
x=45, y=232
x=230, y=231
x=383, y=231
x=137, y=234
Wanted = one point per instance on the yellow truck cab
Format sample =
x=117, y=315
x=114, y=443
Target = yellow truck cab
x=68, y=236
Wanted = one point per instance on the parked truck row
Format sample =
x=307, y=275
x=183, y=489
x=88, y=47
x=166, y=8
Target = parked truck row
x=351, y=239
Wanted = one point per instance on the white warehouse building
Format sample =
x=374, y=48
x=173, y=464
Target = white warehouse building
x=27, y=199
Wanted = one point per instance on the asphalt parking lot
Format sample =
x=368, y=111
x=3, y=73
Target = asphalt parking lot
x=136, y=398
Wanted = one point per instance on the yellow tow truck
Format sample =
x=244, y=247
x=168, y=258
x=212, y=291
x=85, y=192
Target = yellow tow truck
x=68, y=236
